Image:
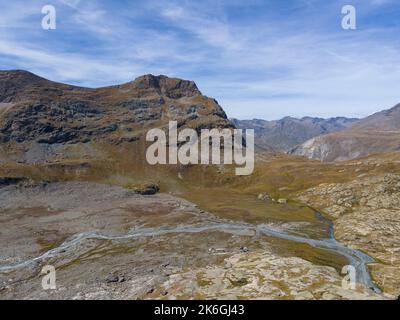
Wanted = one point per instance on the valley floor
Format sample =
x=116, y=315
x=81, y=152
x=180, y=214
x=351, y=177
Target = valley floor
x=107, y=242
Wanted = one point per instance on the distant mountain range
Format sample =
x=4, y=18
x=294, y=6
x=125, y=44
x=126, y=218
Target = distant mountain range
x=377, y=133
x=334, y=139
x=285, y=134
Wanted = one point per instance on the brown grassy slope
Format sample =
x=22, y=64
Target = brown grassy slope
x=218, y=190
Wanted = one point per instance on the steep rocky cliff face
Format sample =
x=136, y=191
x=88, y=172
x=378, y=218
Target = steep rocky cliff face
x=283, y=135
x=38, y=114
x=377, y=133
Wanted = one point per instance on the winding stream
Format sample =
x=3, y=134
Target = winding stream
x=355, y=258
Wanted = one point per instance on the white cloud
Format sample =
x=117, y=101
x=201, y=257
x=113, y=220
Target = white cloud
x=265, y=67
x=66, y=67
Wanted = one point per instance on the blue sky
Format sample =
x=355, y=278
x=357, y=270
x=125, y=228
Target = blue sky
x=260, y=59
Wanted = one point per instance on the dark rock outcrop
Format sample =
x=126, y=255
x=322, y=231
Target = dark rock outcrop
x=147, y=189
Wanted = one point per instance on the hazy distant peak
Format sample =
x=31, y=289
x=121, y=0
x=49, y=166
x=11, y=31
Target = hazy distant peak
x=377, y=133
x=286, y=133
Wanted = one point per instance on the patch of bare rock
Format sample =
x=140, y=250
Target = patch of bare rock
x=366, y=215
x=259, y=275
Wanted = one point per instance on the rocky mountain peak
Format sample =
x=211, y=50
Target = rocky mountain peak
x=23, y=74
x=13, y=80
x=171, y=87
x=38, y=111
x=20, y=78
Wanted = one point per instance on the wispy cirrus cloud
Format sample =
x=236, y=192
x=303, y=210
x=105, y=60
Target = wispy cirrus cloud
x=259, y=59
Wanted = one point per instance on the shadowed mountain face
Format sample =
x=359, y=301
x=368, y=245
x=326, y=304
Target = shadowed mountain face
x=36, y=113
x=285, y=134
x=377, y=133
